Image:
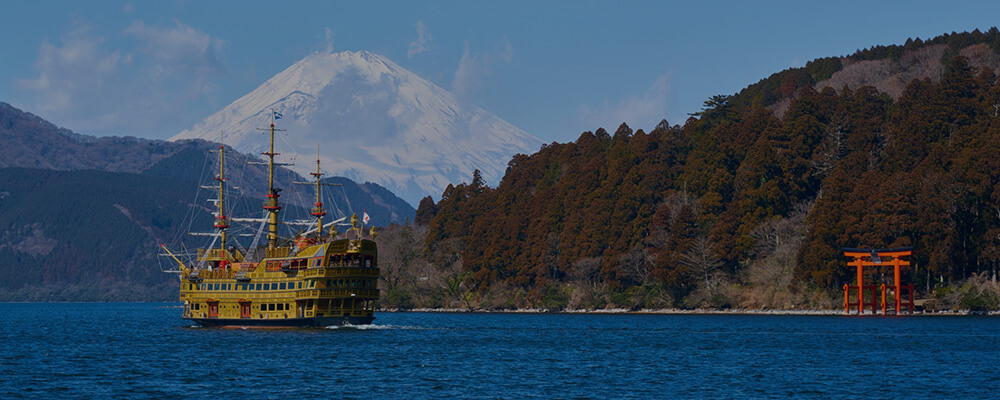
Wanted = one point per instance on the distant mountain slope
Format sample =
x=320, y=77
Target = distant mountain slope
x=374, y=121
x=30, y=141
x=87, y=235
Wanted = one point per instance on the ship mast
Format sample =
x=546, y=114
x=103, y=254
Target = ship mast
x=271, y=204
x=318, y=211
x=221, y=221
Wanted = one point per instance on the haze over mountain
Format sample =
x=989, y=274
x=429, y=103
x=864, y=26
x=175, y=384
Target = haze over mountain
x=374, y=121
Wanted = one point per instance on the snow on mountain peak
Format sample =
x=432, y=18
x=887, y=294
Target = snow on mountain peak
x=373, y=121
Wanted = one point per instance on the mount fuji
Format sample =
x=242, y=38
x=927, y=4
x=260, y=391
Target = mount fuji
x=370, y=120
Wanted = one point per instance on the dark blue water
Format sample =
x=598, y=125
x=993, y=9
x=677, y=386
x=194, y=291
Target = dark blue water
x=146, y=351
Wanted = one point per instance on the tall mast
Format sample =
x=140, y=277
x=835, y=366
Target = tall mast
x=221, y=221
x=271, y=204
x=318, y=211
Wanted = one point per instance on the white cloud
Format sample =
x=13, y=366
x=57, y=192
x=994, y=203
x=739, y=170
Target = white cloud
x=422, y=43
x=181, y=53
x=329, y=39
x=638, y=111
x=473, y=69
x=85, y=85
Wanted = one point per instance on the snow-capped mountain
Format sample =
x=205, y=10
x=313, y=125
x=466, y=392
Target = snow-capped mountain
x=372, y=121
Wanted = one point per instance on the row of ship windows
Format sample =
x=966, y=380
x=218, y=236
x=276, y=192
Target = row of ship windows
x=263, y=307
x=330, y=283
x=251, y=286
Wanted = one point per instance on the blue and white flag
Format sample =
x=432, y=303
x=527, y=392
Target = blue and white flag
x=277, y=115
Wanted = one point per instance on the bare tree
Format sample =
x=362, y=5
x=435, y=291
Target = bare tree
x=701, y=259
x=399, y=255
x=636, y=265
x=587, y=271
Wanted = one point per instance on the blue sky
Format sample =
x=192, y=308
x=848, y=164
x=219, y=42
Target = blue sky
x=553, y=68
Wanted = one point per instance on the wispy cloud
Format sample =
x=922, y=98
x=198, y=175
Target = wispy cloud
x=329, y=39
x=473, y=69
x=638, y=111
x=181, y=53
x=85, y=85
x=423, y=43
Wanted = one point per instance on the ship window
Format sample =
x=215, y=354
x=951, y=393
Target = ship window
x=328, y=283
x=300, y=285
x=283, y=287
x=368, y=261
x=267, y=286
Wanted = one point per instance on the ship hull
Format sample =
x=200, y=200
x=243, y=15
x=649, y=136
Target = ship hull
x=316, y=322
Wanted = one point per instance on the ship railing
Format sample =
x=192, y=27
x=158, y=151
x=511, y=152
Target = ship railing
x=277, y=252
x=216, y=274
x=336, y=293
x=280, y=296
x=211, y=254
x=331, y=272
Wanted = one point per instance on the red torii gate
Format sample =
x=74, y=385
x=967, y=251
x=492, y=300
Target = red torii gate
x=878, y=257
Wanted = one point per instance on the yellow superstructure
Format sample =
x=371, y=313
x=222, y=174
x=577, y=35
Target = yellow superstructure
x=320, y=281
x=323, y=284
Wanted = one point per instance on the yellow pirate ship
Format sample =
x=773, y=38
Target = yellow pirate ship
x=317, y=281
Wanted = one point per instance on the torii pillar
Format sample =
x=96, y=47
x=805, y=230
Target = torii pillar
x=878, y=257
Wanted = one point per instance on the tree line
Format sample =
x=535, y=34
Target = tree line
x=737, y=207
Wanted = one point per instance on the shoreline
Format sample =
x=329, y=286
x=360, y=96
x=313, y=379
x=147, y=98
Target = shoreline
x=677, y=311
x=645, y=311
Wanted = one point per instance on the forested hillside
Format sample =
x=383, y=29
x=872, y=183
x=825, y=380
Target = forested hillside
x=744, y=205
x=87, y=235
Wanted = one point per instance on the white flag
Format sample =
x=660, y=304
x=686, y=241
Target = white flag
x=365, y=218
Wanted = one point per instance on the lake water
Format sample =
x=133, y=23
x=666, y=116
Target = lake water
x=144, y=351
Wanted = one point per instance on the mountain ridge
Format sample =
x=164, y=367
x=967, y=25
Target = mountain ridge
x=385, y=124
